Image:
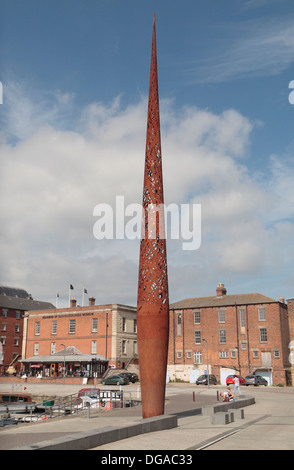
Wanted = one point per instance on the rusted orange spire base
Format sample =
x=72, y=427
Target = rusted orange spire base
x=153, y=303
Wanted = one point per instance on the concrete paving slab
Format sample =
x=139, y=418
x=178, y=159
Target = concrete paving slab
x=268, y=424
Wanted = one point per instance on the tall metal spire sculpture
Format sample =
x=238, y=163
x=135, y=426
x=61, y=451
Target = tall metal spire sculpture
x=153, y=302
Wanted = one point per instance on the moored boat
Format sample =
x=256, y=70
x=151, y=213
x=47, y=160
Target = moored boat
x=16, y=402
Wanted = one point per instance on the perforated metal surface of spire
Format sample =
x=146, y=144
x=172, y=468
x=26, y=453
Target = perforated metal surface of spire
x=153, y=302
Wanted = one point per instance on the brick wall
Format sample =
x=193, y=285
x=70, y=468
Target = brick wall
x=11, y=332
x=114, y=334
x=260, y=342
x=82, y=336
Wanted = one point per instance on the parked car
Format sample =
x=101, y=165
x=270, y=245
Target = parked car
x=115, y=380
x=255, y=380
x=202, y=380
x=230, y=380
x=130, y=375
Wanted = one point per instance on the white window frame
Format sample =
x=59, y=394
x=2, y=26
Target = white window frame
x=94, y=325
x=261, y=314
x=37, y=328
x=222, y=316
x=222, y=337
x=72, y=327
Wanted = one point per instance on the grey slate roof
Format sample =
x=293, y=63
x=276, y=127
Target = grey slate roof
x=225, y=300
x=14, y=292
x=25, y=304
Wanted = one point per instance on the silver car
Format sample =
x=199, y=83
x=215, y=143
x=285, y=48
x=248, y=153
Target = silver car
x=255, y=380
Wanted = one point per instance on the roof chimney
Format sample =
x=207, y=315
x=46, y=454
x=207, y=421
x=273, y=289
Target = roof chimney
x=221, y=290
x=73, y=302
x=91, y=301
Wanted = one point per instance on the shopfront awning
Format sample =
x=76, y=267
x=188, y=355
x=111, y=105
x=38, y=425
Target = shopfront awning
x=69, y=355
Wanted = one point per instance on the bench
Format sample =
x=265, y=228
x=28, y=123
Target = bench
x=226, y=417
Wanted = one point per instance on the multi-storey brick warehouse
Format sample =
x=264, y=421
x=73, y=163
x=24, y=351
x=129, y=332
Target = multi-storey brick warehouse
x=108, y=331
x=14, y=303
x=245, y=333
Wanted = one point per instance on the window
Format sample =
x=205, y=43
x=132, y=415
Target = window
x=135, y=326
x=179, y=324
x=223, y=354
x=53, y=348
x=4, y=311
x=36, y=349
x=261, y=314
x=198, y=357
x=124, y=324
x=222, y=337
x=196, y=318
x=72, y=326
x=179, y=354
x=3, y=340
x=17, y=328
x=242, y=317
x=54, y=327
x=263, y=335
x=16, y=341
x=94, y=325
x=197, y=336
x=94, y=347
x=17, y=314
x=37, y=328
x=221, y=316
x=3, y=327
x=124, y=346
x=233, y=354
x=135, y=347
x=189, y=354
x=255, y=354
x=277, y=353
x=243, y=345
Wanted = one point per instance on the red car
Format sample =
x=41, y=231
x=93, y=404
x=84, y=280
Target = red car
x=230, y=380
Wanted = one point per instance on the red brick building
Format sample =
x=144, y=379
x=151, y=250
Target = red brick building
x=290, y=303
x=14, y=303
x=244, y=333
x=87, y=339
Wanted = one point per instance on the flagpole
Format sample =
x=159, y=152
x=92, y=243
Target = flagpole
x=84, y=292
x=71, y=287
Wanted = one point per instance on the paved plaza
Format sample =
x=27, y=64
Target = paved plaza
x=268, y=424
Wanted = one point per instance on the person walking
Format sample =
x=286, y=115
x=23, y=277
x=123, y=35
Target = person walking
x=237, y=385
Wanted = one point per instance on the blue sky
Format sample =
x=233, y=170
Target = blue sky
x=75, y=81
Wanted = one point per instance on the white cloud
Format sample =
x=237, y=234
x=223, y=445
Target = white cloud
x=53, y=176
x=256, y=47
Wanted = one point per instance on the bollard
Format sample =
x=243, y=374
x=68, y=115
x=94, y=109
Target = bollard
x=193, y=396
x=217, y=395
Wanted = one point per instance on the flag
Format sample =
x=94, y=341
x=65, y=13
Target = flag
x=71, y=286
x=57, y=295
x=85, y=291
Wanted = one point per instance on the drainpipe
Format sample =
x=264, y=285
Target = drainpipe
x=248, y=343
x=237, y=332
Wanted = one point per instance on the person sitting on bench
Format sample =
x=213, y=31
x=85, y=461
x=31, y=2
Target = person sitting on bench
x=228, y=395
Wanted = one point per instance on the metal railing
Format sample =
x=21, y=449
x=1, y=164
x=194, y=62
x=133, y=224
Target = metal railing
x=56, y=407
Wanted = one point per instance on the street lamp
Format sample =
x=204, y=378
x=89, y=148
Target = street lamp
x=203, y=339
x=63, y=362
